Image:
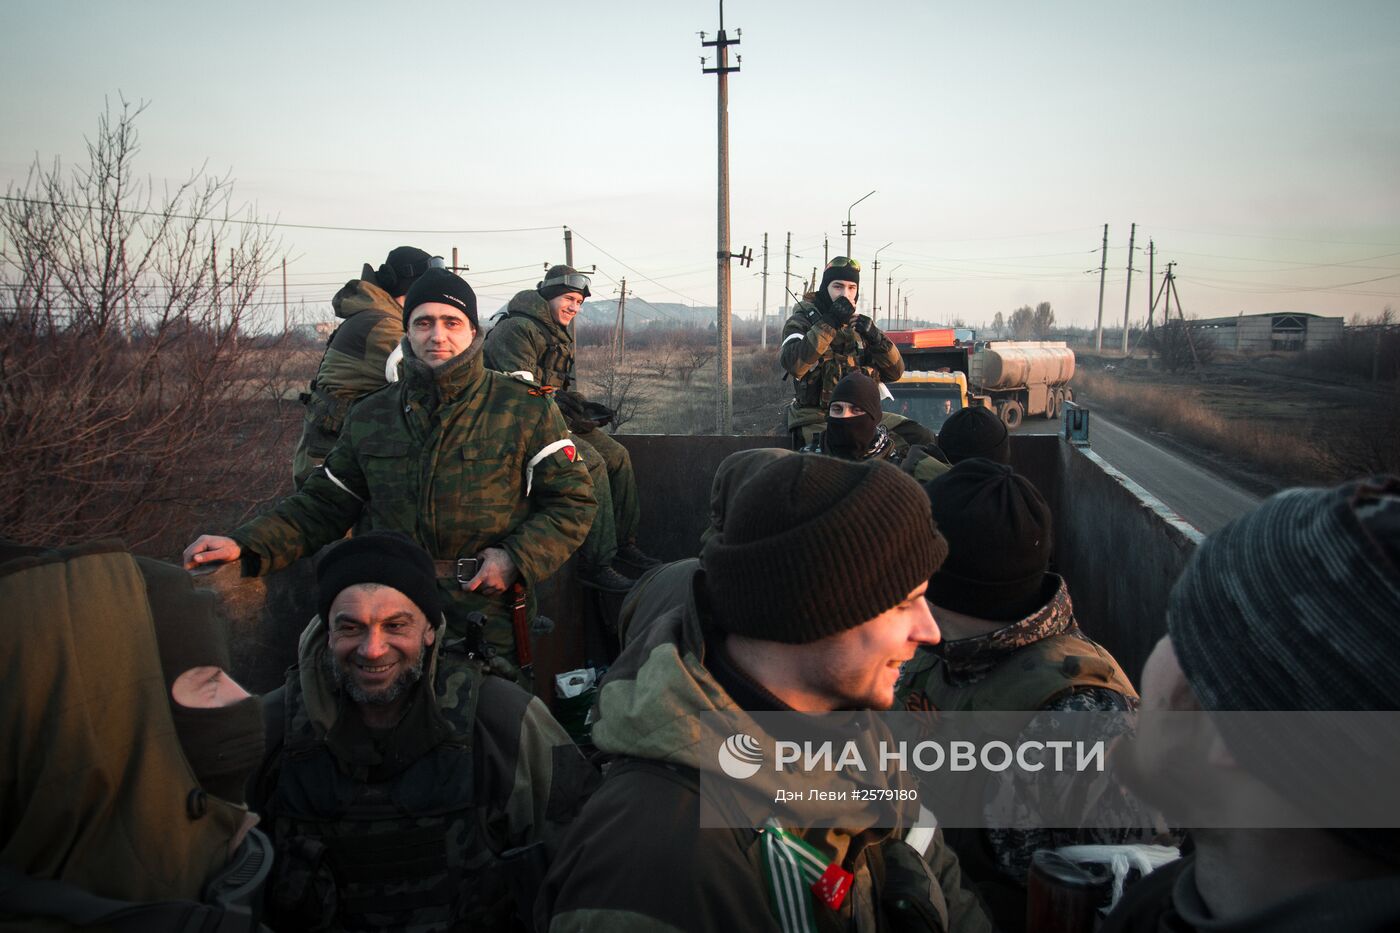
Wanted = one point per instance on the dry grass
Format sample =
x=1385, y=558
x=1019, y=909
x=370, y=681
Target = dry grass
x=1280, y=431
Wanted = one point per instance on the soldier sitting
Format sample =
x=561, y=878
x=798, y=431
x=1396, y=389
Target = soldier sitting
x=127, y=750
x=1010, y=643
x=855, y=431
x=478, y=467
x=403, y=787
x=535, y=341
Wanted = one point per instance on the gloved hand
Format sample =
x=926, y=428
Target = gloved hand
x=841, y=312
x=863, y=325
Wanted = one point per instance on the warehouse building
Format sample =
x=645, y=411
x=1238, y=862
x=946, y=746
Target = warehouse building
x=1267, y=333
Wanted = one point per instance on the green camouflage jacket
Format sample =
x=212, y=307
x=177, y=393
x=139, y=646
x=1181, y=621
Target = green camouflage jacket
x=409, y=829
x=818, y=355
x=528, y=342
x=636, y=858
x=352, y=366
x=461, y=459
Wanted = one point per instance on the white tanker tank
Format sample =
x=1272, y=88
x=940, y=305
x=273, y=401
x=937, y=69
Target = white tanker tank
x=1022, y=378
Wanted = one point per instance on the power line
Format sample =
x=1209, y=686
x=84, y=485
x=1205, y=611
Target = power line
x=275, y=223
x=631, y=269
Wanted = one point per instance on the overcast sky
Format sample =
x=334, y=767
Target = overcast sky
x=1256, y=143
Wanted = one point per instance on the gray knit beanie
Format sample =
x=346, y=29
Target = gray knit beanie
x=813, y=546
x=1296, y=606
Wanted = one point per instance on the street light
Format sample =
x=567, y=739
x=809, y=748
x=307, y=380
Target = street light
x=875, y=274
x=898, y=292
x=849, y=228
x=890, y=307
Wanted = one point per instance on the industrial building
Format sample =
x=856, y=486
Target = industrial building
x=1267, y=333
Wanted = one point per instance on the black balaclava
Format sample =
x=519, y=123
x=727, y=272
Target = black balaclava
x=848, y=438
x=223, y=744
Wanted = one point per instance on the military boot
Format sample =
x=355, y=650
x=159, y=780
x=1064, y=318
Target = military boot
x=635, y=558
x=605, y=578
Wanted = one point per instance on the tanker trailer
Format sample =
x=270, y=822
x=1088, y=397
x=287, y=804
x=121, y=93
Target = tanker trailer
x=1021, y=378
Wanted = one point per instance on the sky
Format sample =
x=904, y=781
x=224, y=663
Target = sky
x=1255, y=143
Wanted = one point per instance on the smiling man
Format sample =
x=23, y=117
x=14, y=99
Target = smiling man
x=823, y=340
x=399, y=774
x=534, y=339
x=778, y=617
x=479, y=468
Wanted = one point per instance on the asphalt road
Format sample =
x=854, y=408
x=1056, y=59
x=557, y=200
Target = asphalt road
x=1200, y=497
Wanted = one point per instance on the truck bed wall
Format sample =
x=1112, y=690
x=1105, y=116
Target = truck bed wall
x=1119, y=550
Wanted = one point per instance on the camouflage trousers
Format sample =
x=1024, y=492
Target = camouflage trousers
x=615, y=488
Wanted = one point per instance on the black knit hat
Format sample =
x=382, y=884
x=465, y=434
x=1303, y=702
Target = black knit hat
x=554, y=283
x=998, y=530
x=401, y=269
x=860, y=390
x=839, y=270
x=389, y=558
x=443, y=287
x=975, y=432
x=783, y=570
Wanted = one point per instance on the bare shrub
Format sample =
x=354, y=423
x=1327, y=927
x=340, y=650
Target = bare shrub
x=625, y=392
x=691, y=358
x=131, y=394
x=1181, y=344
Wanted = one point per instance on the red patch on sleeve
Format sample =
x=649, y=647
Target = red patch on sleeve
x=571, y=452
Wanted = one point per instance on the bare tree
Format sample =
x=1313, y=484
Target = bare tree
x=1022, y=322
x=131, y=392
x=623, y=390
x=1043, y=321
x=999, y=323
x=691, y=359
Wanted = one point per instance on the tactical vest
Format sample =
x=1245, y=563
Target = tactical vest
x=1029, y=679
x=843, y=355
x=409, y=853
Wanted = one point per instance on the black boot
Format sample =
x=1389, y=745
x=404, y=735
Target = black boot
x=635, y=558
x=606, y=579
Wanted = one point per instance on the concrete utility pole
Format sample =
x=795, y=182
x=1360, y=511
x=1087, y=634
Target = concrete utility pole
x=620, y=325
x=826, y=249
x=1128, y=294
x=1103, y=270
x=850, y=228
x=906, y=312
x=284, y=296
x=875, y=282
x=787, y=276
x=1151, y=278
x=568, y=248
x=763, y=314
x=724, y=388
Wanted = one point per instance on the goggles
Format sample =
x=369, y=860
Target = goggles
x=576, y=281
x=840, y=262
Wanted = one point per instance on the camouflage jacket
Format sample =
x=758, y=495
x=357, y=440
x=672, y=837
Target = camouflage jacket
x=637, y=858
x=461, y=459
x=407, y=829
x=1040, y=663
x=529, y=343
x=353, y=366
x=818, y=354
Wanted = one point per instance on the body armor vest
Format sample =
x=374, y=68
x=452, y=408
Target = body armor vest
x=407, y=853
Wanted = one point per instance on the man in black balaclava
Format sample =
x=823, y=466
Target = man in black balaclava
x=823, y=340
x=853, y=428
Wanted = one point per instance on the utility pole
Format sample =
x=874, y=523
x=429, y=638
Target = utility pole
x=763, y=313
x=284, y=296
x=850, y=228
x=875, y=291
x=826, y=249
x=906, y=312
x=1151, y=277
x=620, y=325
x=1103, y=275
x=724, y=389
x=787, y=276
x=568, y=248
x=1128, y=295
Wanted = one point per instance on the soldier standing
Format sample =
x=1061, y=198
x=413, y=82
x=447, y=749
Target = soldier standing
x=358, y=354
x=535, y=341
x=474, y=465
x=823, y=340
